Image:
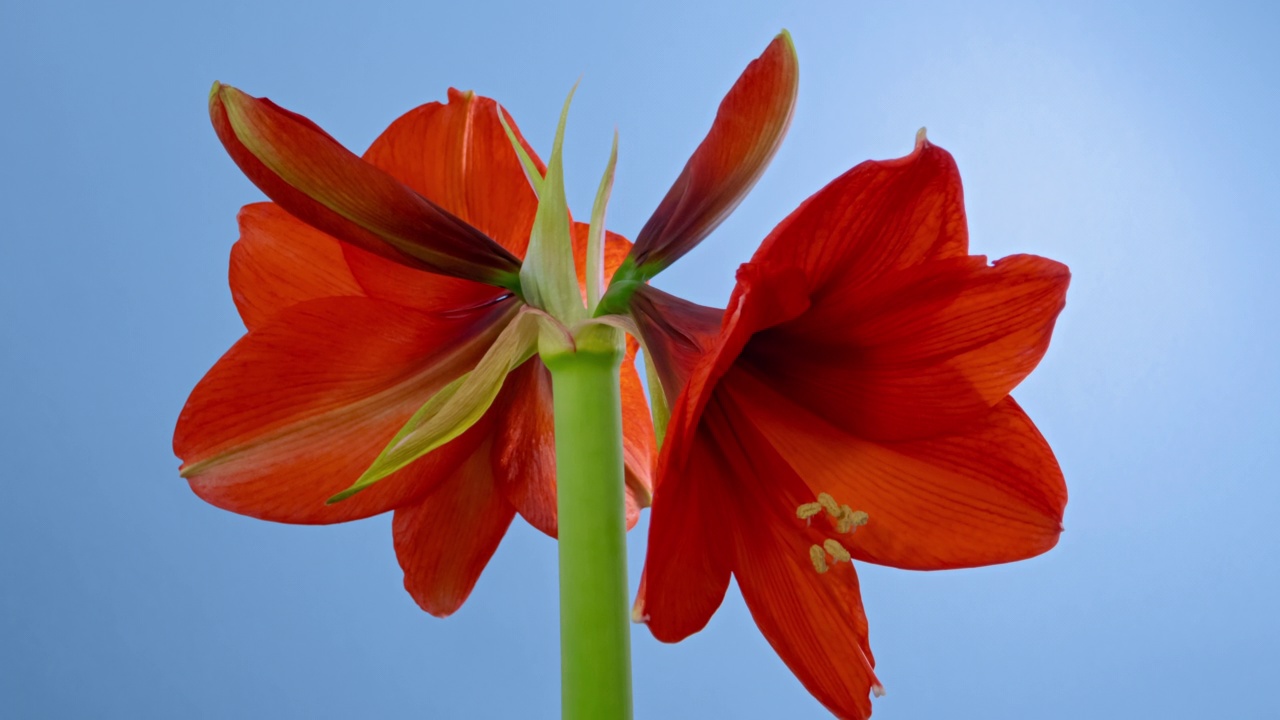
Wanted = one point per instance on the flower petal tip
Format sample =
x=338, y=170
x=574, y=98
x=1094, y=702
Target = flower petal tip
x=784, y=35
x=343, y=495
x=878, y=690
x=638, y=615
x=922, y=138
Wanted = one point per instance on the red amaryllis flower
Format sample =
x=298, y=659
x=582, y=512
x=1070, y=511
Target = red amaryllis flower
x=853, y=405
x=353, y=328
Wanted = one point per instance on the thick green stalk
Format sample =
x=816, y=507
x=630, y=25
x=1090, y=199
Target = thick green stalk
x=595, y=644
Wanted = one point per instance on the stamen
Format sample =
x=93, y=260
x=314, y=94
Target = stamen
x=836, y=550
x=808, y=510
x=828, y=503
x=818, y=557
x=850, y=519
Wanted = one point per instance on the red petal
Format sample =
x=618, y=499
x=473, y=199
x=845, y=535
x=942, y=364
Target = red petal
x=749, y=127
x=300, y=407
x=457, y=155
x=814, y=621
x=444, y=541
x=676, y=332
x=281, y=261
x=524, y=454
x=877, y=217
x=991, y=493
x=918, y=352
x=637, y=437
x=687, y=565
x=616, y=248
x=313, y=177
x=524, y=451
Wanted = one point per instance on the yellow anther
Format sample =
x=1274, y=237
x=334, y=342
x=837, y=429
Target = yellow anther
x=818, y=557
x=844, y=522
x=808, y=510
x=836, y=550
x=828, y=503
x=850, y=519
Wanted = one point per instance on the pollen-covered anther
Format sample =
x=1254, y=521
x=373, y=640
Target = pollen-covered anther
x=808, y=510
x=850, y=519
x=818, y=557
x=836, y=550
x=828, y=503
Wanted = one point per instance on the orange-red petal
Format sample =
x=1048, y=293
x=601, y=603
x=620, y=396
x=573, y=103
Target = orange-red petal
x=918, y=352
x=687, y=564
x=296, y=410
x=879, y=216
x=990, y=493
x=524, y=451
x=814, y=621
x=281, y=261
x=749, y=127
x=444, y=541
x=312, y=176
x=457, y=155
x=637, y=437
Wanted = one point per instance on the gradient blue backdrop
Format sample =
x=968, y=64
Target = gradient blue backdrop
x=1134, y=141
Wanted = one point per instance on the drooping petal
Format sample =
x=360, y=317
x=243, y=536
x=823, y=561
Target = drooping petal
x=300, y=406
x=676, y=334
x=312, y=176
x=281, y=261
x=989, y=493
x=879, y=216
x=814, y=621
x=637, y=436
x=445, y=540
x=749, y=127
x=918, y=352
x=687, y=564
x=524, y=452
x=411, y=287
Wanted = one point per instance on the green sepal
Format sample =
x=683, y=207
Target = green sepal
x=548, y=276
x=531, y=171
x=596, y=232
x=658, y=407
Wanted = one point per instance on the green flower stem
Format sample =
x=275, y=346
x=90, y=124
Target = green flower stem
x=595, y=642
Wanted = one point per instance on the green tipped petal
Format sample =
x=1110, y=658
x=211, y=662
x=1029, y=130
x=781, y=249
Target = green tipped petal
x=458, y=405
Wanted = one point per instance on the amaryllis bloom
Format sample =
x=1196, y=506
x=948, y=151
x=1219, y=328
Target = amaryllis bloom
x=395, y=304
x=853, y=404
x=352, y=329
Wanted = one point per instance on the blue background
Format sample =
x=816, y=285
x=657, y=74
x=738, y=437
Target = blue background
x=1134, y=141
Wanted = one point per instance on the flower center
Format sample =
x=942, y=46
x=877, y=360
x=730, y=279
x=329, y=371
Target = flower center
x=842, y=518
